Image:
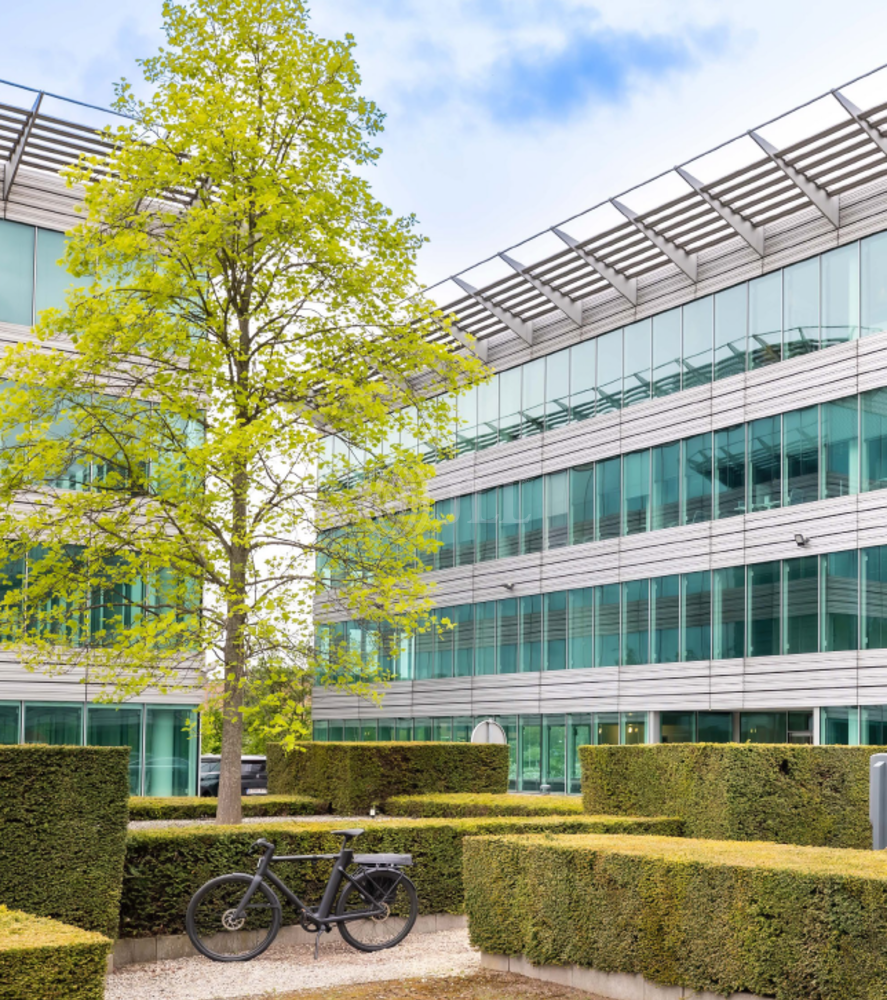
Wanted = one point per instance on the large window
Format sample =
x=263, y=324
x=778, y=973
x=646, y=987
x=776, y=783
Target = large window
x=58, y=724
x=171, y=751
x=118, y=727
x=10, y=722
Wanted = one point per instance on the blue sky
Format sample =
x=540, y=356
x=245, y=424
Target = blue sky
x=507, y=116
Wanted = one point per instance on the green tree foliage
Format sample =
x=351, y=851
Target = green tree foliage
x=242, y=295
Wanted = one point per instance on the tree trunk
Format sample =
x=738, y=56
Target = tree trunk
x=229, y=809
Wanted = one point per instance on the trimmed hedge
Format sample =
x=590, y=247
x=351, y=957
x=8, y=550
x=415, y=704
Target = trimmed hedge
x=42, y=959
x=449, y=806
x=351, y=777
x=790, y=794
x=141, y=808
x=797, y=923
x=165, y=867
x=63, y=816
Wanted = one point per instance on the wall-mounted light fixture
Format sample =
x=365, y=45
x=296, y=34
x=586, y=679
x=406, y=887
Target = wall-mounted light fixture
x=508, y=586
x=801, y=540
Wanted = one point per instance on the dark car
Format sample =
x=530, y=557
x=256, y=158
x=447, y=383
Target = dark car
x=253, y=775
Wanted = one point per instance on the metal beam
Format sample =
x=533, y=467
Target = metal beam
x=822, y=200
x=856, y=114
x=752, y=235
x=685, y=262
x=627, y=287
x=478, y=347
x=567, y=306
x=15, y=159
x=514, y=323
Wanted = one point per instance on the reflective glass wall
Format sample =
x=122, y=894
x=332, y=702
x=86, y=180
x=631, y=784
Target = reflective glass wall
x=857, y=725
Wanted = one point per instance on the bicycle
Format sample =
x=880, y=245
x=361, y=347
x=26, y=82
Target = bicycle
x=234, y=918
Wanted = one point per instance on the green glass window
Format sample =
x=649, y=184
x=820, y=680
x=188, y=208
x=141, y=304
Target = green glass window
x=666, y=607
x=10, y=722
x=582, y=504
x=731, y=323
x=385, y=730
x=840, y=447
x=667, y=353
x=765, y=463
x=463, y=726
x=509, y=404
x=840, y=600
x=580, y=736
x=16, y=273
x=606, y=726
x=666, y=464
x=583, y=372
x=368, y=732
x=443, y=730
x=634, y=728
x=714, y=727
x=763, y=607
x=800, y=633
x=445, y=557
x=762, y=727
x=729, y=613
x=874, y=597
x=466, y=425
x=487, y=523
x=352, y=730
x=636, y=366
x=606, y=625
x=557, y=389
x=873, y=269
x=801, y=308
x=697, y=463
x=58, y=724
x=533, y=401
x=532, y=521
x=463, y=618
x=608, y=489
x=171, y=751
x=11, y=591
x=557, y=510
x=801, y=455
x=485, y=638
x=509, y=725
x=508, y=635
x=874, y=439
x=556, y=630
x=635, y=622
x=488, y=414
x=530, y=752
x=443, y=643
x=636, y=492
x=609, y=371
x=765, y=320
x=53, y=279
x=579, y=627
x=840, y=295
x=531, y=633
x=839, y=726
x=698, y=341
x=677, y=727
x=336, y=731
x=423, y=730
x=403, y=730
x=509, y=520
x=320, y=732
x=118, y=727
x=425, y=643
x=696, y=617
x=729, y=472
x=873, y=725
x=465, y=518
x=554, y=752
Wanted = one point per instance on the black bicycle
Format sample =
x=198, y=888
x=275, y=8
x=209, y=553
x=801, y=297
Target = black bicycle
x=235, y=917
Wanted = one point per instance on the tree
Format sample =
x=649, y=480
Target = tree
x=242, y=295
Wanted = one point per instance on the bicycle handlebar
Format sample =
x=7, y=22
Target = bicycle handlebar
x=260, y=845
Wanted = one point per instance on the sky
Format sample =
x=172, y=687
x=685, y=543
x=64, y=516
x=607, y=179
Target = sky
x=505, y=117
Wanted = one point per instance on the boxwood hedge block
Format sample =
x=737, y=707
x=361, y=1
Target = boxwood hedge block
x=795, y=923
x=142, y=808
x=42, y=959
x=467, y=804
x=63, y=816
x=166, y=866
x=351, y=777
x=790, y=794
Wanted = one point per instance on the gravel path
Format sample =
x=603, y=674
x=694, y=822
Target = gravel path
x=349, y=821
x=284, y=969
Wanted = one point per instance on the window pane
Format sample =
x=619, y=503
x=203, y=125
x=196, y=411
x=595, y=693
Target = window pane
x=840, y=726
x=445, y=557
x=731, y=322
x=509, y=725
x=609, y=371
x=840, y=295
x=874, y=284
x=840, y=600
x=465, y=545
x=57, y=725
x=696, y=623
x=531, y=633
x=466, y=427
x=729, y=461
x=801, y=455
x=463, y=618
x=443, y=730
x=385, y=730
x=800, y=633
x=531, y=515
x=487, y=522
x=10, y=723
x=53, y=279
x=509, y=404
x=763, y=586
x=667, y=353
x=557, y=389
x=554, y=752
x=729, y=607
x=16, y=273
x=634, y=728
x=582, y=502
x=698, y=340
x=580, y=628
x=677, y=727
x=874, y=597
x=636, y=622
x=368, y=732
x=118, y=727
x=423, y=731
x=533, y=404
x=606, y=726
x=462, y=728
x=582, y=380
x=840, y=447
x=764, y=452
x=697, y=479
x=557, y=510
x=762, y=727
x=171, y=751
x=485, y=638
x=509, y=520
x=801, y=305
x=714, y=727
x=666, y=460
x=580, y=736
x=425, y=642
x=531, y=752
x=874, y=439
x=488, y=413
x=636, y=383
x=606, y=625
x=556, y=631
x=336, y=731
x=607, y=497
x=508, y=635
x=873, y=725
x=320, y=732
x=666, y=596
x=636, y=492
x=765, y=320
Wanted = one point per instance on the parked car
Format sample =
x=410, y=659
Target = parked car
x=253, y=775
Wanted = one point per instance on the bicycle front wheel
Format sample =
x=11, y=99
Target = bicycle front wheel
x=395, y=897
x=216, y=932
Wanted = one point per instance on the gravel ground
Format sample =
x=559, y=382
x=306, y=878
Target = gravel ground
x=284, y=969
x=351, y=821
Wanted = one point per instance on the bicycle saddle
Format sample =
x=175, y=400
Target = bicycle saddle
x=347, y=833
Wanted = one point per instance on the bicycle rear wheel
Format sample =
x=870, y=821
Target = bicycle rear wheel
x=211, y=925
x=395, y=894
